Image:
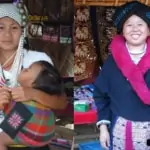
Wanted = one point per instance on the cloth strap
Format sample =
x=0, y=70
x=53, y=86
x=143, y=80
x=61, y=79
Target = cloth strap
x=128, y=140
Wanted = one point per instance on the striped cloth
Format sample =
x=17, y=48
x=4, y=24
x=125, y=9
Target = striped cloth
x=40, y=128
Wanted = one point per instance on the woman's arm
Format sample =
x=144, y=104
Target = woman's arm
x=101, y=97
x=51, y=101
x=102, y=101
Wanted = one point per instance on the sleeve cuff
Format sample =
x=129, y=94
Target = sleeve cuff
x=107, y=122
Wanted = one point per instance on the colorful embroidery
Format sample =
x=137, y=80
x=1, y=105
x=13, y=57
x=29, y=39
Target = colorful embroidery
x=140, y=134
x=15, y=120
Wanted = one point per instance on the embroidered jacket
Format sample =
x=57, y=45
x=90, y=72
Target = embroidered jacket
x=122, y=88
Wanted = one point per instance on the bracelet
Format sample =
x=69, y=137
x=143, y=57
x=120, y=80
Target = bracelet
x=105, y=122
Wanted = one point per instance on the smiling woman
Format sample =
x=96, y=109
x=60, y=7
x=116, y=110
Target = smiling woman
x=136, y=31
x=122, y=87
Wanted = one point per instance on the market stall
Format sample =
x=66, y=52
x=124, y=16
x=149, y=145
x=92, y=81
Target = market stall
x=85, y=71
x=93, y=31
x=50, y=30
x=84, y=106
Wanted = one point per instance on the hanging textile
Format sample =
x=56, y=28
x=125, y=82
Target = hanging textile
x=106, y=30
x=85, y=54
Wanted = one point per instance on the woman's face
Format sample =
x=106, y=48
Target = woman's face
x=29, y=75
x=135, y=31
x=10, y=32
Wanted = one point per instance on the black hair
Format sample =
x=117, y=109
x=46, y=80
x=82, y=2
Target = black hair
x=49, y=79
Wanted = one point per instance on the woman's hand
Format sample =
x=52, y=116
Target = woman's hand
x=104, y=137
x=18, y=94
x=5, y=96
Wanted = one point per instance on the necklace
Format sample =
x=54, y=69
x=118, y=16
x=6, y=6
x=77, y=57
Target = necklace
x=9, y=59
x=137, y=52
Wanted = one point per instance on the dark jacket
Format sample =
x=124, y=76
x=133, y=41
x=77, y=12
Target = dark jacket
x=114, y=95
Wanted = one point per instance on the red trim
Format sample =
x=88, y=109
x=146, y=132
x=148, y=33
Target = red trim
x=134, y=73
x=128, y=141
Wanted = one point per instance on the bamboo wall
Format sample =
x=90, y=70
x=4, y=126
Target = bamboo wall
x=106, y=2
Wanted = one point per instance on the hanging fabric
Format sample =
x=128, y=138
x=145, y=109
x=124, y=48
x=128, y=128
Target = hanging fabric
x=85, y=54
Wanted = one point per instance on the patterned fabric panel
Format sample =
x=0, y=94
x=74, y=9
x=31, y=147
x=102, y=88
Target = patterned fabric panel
x=140, y=135
x=85, y=53
x=41, y=126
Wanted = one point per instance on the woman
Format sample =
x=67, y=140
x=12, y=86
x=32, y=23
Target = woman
x=122, y=88
x=13, y=57
x=37, y=126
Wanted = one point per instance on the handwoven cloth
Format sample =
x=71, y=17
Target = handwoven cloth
x=140, y=135
x=39, y=129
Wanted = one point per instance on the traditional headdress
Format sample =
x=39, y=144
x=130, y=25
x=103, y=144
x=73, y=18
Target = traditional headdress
x=123, y=12
x=17, y=12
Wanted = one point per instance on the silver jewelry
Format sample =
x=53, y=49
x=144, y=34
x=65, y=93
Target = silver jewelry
x=23, y=12
x=137, y=52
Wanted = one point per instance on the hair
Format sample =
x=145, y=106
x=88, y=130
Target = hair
x=49, y=80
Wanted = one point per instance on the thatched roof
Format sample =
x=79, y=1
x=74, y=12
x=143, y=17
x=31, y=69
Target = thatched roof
x=106, y=2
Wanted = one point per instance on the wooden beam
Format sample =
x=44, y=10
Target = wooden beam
x=105, y=2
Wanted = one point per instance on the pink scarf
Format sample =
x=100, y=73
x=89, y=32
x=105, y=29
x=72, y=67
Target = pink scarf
x=134, y=73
